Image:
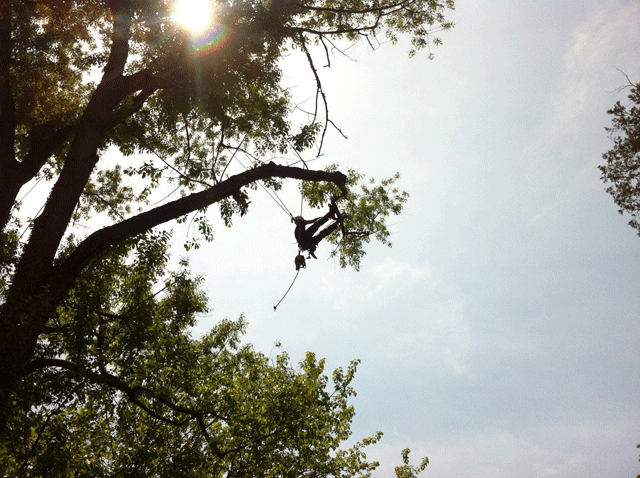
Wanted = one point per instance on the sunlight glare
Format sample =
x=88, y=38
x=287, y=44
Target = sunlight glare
x=195, y=15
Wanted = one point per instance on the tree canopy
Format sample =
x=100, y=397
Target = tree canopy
x=622, y=168
x=99, y=373
x=127, y=390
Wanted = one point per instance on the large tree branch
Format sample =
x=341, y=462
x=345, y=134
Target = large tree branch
x=8, y=164
x=49, y=227
x=379, y=9
x=132, y=391
x=43, y=141
x=62, y=277
x=119, y=39
x=337, y=31
x=134, y=394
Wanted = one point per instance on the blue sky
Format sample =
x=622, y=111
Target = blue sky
x=500, y=335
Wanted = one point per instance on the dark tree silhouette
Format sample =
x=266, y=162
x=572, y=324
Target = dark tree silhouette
x=81, y=79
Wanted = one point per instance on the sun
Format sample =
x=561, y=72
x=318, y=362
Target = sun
x=194, y=15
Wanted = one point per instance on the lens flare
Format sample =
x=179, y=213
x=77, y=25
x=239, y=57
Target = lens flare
x=210, y=41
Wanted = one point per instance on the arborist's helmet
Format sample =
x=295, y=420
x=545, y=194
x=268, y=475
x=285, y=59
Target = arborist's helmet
x=298, y=220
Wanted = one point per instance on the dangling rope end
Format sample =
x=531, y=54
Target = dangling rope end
x=285, y=294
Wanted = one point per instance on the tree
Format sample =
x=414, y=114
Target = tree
x=85, y=340
x=622, y=168
x=623, y=160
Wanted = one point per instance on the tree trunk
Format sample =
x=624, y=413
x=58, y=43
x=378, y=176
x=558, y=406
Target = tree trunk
x=21, y=322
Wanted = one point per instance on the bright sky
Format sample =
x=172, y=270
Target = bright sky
x=500, y=336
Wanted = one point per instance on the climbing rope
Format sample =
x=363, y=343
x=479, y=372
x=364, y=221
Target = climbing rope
x=285, y=294
x=272, y=194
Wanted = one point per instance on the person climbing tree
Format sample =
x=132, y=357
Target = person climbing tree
x=307, y=238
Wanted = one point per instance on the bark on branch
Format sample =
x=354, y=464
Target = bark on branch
x=119, y=39
x=7, y=106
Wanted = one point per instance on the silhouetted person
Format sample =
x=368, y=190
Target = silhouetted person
x=307, y=238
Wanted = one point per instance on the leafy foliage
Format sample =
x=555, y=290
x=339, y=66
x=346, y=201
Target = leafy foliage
x=622, y=168
x=365, y=209
x=408, y=471
x=132, y=393
x=8, y=253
